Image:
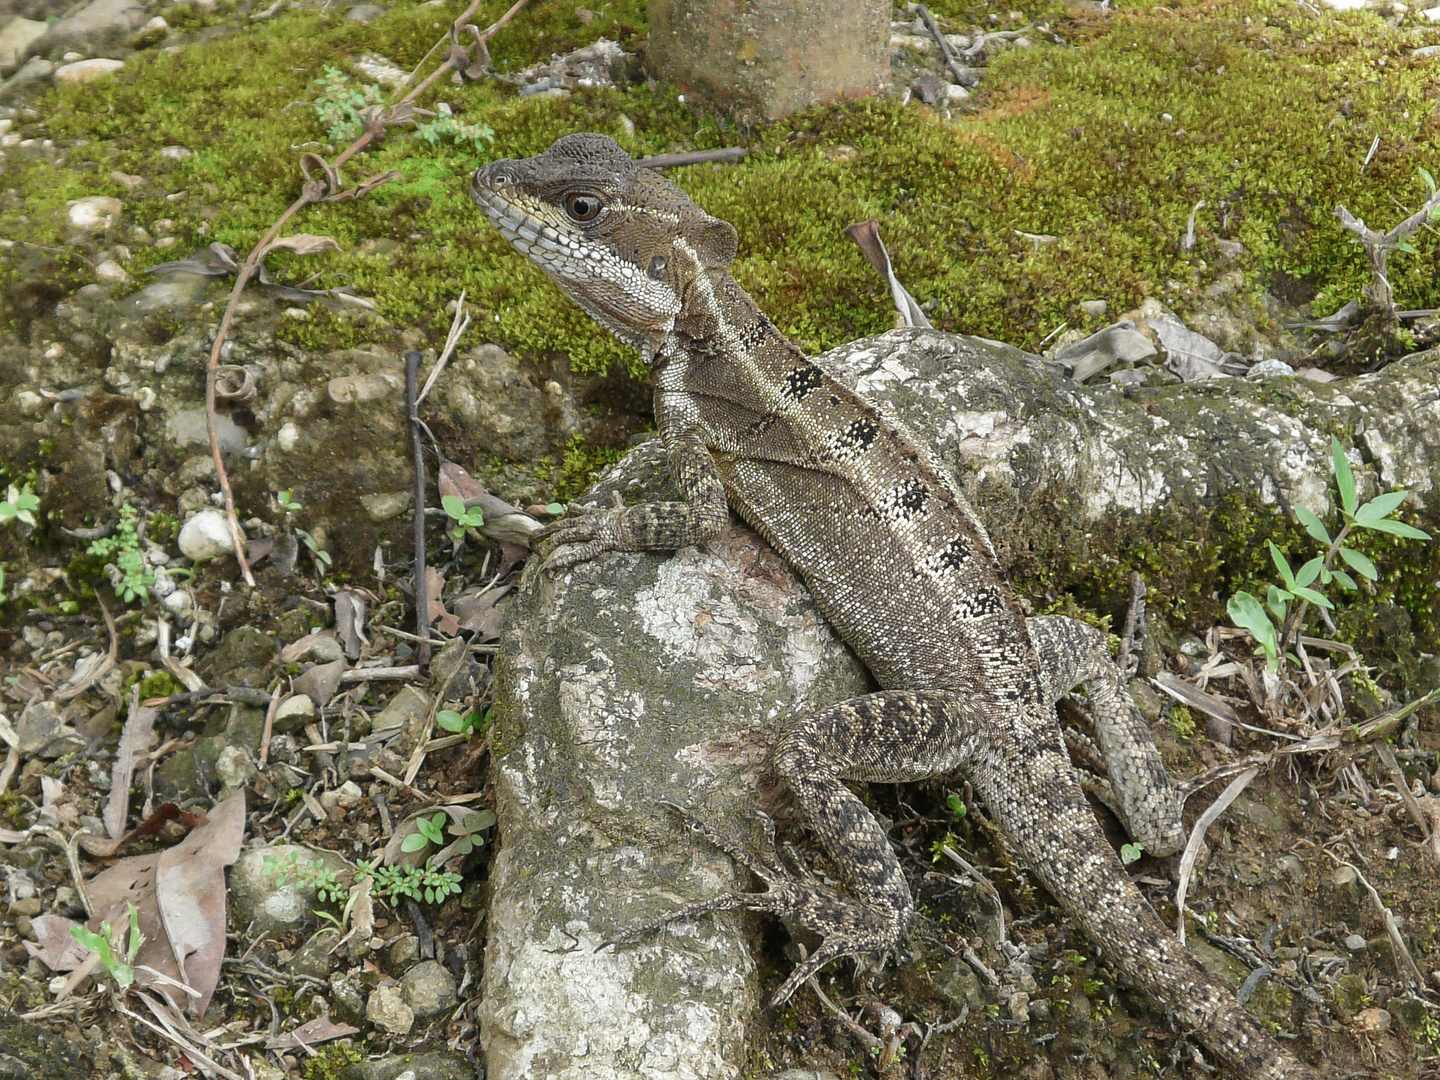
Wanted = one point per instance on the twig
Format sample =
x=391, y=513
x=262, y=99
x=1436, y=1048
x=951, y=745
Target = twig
x=1404, y=962
x=315, y=190
x=405, y=672
x=1134, y=628
x=986, y=886
x=694, y=157
x=422, y=592
x=1197, y=837
x=1386, y=753
x=458, y=325
x=951, y=60
x=870, y=1042
x=269, y=727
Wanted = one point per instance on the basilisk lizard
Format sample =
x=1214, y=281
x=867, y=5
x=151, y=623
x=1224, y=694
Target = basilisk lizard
x=896, y=560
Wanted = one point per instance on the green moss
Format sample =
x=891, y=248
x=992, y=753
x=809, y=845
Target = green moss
x=581, y=465
x=160, y=684
x=334, y=1062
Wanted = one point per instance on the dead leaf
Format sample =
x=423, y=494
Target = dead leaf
x=320, y=682
x=476, y=611
x=136, y=739
x=301, y=244
x=104, y=849
x=503, y=522
x=54, y=945
x=190, y=891
x=441, y=619
x=349, y=619
x=315, y=1031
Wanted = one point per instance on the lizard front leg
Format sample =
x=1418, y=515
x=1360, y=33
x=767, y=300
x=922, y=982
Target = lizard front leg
x=665, y=526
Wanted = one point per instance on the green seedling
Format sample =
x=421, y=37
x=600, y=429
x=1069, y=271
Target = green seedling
x=20, y=504
x=102, y=944
x=463, y=516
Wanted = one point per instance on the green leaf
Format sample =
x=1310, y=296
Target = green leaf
x=1130, y=853
x=1344, y=478
x=1277, y=598
x=1282, y=565
x=1405, y=245
x=1345, y=580
x=1313, y=525
x=555, y=509
x=1398, y=528
x=1245, y=612
x=414, y=842
x=1382, y=506
x=1316, y=598
x=1359, y=563
x=1429, y=180
x=1310, y=571
x=454, y=506
x=450, y=720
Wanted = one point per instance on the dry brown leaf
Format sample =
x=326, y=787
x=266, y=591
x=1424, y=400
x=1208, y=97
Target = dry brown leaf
x=315, y=1031
x=441, y=619
x=190, y=892
x=301, y=244
x=477, y=612
x=136, y=739
x=349, y=620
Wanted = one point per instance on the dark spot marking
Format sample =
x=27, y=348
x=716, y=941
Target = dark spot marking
x=754, y=335
x=911, y=499
x=956, y=553
x=860, y=435
x=986, y=600
x=802, y=380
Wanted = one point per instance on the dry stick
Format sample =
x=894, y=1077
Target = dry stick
x=270, y=712
x=951, y=61
x=1404, y=962
x=694, y=157
x=105, y=665
x=422, y=591
x=1386, y=754
x=314, y=191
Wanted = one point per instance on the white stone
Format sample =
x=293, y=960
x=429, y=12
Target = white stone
x=1431, y=14
x=205, y=536
x=111, y=273
x=94, y=214
x=27, y=401
x=175, y=153
x=157, y=23
x=297, y=706
x=288, y=437
x=85, y=70
x=956, y=92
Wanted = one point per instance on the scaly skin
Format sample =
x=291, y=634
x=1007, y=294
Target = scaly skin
x=897, y=561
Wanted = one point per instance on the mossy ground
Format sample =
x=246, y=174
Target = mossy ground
x=1271, y=111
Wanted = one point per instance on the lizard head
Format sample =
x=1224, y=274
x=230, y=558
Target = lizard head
x=623, y=242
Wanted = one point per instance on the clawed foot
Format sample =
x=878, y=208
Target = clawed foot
x=584, y=535
x=846, y=927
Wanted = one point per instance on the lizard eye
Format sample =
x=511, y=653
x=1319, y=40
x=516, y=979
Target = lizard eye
x=582, y=207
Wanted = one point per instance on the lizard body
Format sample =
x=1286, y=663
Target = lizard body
x=897, y=561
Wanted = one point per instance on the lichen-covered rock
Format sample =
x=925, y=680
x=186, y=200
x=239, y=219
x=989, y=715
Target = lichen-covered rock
x=637, y=679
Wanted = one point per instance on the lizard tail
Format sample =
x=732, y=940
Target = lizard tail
x=1068, y=852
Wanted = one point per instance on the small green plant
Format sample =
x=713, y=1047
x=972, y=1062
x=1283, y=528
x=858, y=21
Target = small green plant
x=463, y=516
x=313, y=874
x=122, y=549
x=20, y=504
x=466, y=831
x=427, y=882
x=956, y=805
x=459, y=724
x=1130, y=853
x=103, y=945
x=341, y=106
x=1289, y=602
x=3, y=597
x=430, y=830
x=445, y=127
x=1430, y=1031
x=287, y=504
x=319, y=554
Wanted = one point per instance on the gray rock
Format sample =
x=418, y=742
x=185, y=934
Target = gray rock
x=16, y=39
x=436, y=1065
x=1269, y=369
x=42, y=731
x=96, y=28
x=365, y=13
x=1356, y=943
x=408, y=706
x=1118, y=343
x=81, y=71
x=260, y=904
x=346, y=994
x=179, y=293
x=387, y=1010
x=316, y=957
x=33, y=72
x=643, y=677
x=429, y=989
x=1094, y=309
